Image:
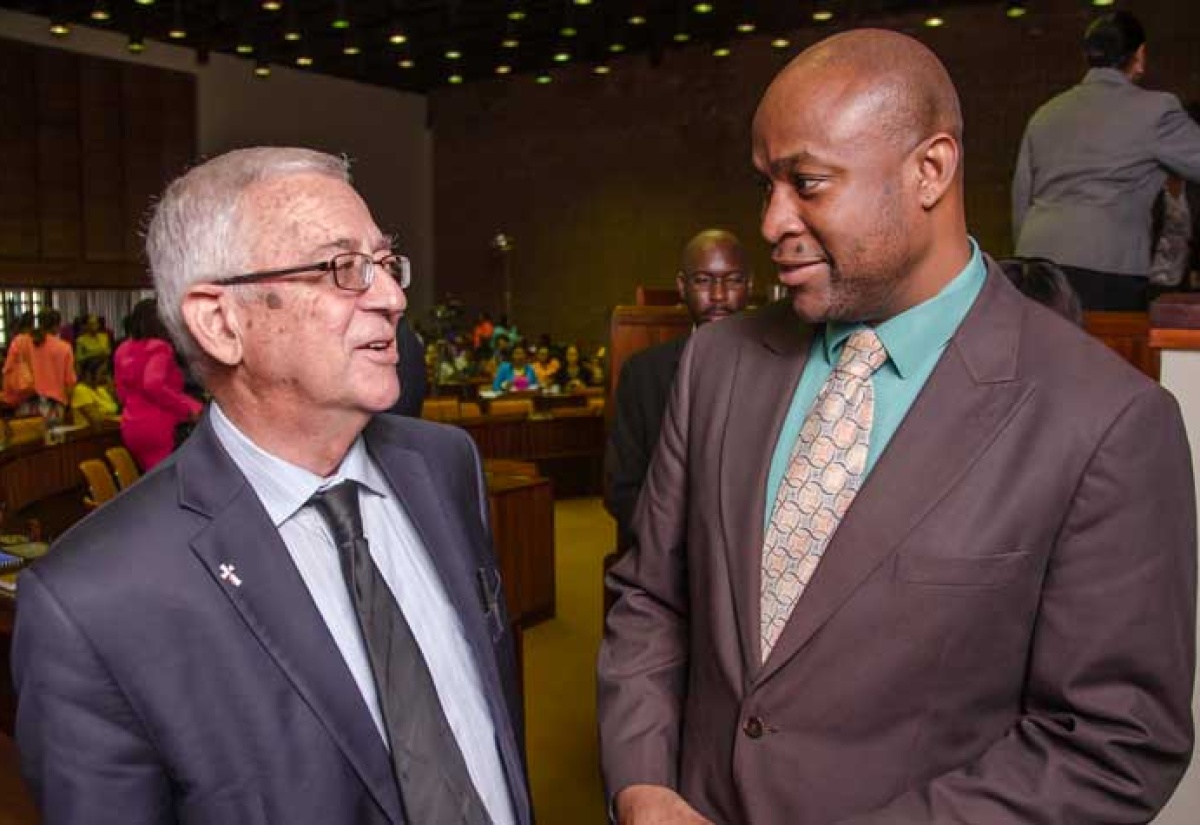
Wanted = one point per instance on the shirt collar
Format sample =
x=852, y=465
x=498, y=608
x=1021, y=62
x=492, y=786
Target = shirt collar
x=919, y=332
x=283, y=487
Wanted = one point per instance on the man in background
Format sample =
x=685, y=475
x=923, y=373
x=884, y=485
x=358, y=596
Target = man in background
x=296, y=617
x=896, y=560
x=714, y=282
x=1091, y=164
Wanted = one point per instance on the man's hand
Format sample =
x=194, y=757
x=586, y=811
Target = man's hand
x=655, y=805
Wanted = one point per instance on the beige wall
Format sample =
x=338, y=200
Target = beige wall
x=383, y=131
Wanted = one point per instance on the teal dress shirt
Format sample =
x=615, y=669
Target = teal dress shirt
x=914, y=341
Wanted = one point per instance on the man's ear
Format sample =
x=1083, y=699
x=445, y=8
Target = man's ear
x=937, y=166
x=681, y=285
x=211, y=315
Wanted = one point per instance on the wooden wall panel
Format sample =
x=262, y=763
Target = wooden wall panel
x=60, y=197
x=102, y=178
x=18, y=151
x=86, y=144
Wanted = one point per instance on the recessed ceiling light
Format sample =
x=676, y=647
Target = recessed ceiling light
x=59, y=29
x=516, y=14
x=721, y=51
x=292, y=35
x=244, y=48
x=703, y=8
x=272, y=5
x=304, y=60
x=746, y=27
x=1102, y=2
x=1015, y=10
x=397, y=38
x=100, y=12
x=562, y=57
x=637, y=20
x=262, y=70
x=504, y=68
x=455, y=79
x=177, y=33
x=602, y=70
x=780, y=43
x=616, y=48
x=351, y=49
x=145, y=2
x=681, y=37
x=510, y=42
x=933, y=21
x=822, y=15
x=406, y=63
x=543, y=79
x=568, y=31
x=136, y=44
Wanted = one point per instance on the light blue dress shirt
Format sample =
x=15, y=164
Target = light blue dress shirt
x=914, y=340
x=284, y=490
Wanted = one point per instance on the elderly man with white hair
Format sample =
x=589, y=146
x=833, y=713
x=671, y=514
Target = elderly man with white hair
x=297, y=617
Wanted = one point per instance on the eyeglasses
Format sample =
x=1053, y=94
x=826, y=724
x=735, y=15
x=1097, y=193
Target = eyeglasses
x=352, y=271
x=705, y=281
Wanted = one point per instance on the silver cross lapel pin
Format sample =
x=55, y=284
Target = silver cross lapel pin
x=227, y=575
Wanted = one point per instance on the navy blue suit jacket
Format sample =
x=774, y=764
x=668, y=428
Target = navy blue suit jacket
x=151, y=690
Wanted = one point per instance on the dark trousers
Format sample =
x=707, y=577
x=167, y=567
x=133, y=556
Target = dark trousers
x=1106, y=292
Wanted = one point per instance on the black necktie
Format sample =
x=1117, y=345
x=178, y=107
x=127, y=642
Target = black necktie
x=435, y=785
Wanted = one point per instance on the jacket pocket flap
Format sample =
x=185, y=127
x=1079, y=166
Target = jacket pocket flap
x=977, y=571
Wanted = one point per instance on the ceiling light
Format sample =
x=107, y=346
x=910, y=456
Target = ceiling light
x=244, y=48
x=292, y=35
x=177, y=33
x=271, y=5
x=746, y=27
x=616, y=48
x=722, y=51
x=100, y=12
x=517, y=15
x=510, y=42
x=397, y=38
x=562, y=57
x=637, y=20
x=934, y=21
x=583, y=2
x=1102, y=2
x=681, y=37
x=703, y=8
x=59, y=28
x=780, y=43
x=351, y=49
x=602, y=69
x=543, y=79
x=262, y=69
x=406, y=63
x=136, y=44
x=503, y=69
x=1015, y=9
x=455, y=79
x=341, y=20
x=145, y=2
x=822, y=15
x=304, y=60
x=453, y=54
x=568, y=31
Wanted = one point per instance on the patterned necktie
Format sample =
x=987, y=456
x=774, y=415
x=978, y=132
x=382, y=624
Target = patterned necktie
x=435, y=785
x=822, y=479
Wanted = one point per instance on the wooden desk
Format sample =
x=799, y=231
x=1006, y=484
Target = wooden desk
x=569, y=450
x=43, y=481
x=522, y=516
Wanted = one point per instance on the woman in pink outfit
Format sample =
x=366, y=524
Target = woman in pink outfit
x=150, y=386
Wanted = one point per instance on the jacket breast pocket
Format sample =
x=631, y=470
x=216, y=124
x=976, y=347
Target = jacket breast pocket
x=956, y=571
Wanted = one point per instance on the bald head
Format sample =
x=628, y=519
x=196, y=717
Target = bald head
x=714, y=275
x=881, y=77
x=859, y=140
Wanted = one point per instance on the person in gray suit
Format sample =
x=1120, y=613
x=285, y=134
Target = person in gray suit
x=298, y=614
x=1092, y=161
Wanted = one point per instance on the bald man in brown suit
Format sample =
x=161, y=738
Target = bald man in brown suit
x=1001, y=628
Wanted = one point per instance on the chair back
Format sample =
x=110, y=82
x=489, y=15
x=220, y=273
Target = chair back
x=511, y=407
x=100, y=482
x=26, y=430
x=123, y=465
x=440, y=409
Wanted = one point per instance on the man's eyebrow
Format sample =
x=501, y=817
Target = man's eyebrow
x=781, y=167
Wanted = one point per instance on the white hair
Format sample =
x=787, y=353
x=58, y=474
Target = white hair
x=195, y=231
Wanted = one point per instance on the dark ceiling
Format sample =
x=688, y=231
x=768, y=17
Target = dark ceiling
x=411, y=44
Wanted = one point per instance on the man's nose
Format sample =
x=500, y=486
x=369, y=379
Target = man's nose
x=385, y=293
x=780, y=216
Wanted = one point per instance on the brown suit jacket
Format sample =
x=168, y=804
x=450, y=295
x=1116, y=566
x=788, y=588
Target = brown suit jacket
x=1001, y=630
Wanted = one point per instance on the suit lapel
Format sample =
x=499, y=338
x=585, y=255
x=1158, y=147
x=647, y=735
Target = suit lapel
x=276, y=607
x=765, y=376
x=969, y=398
x=453, y=555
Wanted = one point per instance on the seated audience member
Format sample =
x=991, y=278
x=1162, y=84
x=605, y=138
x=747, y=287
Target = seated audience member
x=150, y=386
x=545, y=366
x=1045, y=282
x=92, y=399
x=573, y=375
x=410, y=369
x=505, y=330
x=517, y=373
x=595, y=365
x=92, y=340
x=486, y=362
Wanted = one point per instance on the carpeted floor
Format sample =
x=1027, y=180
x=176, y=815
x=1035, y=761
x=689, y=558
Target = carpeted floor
x=560, y=673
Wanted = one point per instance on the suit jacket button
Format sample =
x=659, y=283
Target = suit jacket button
x=754, y=727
